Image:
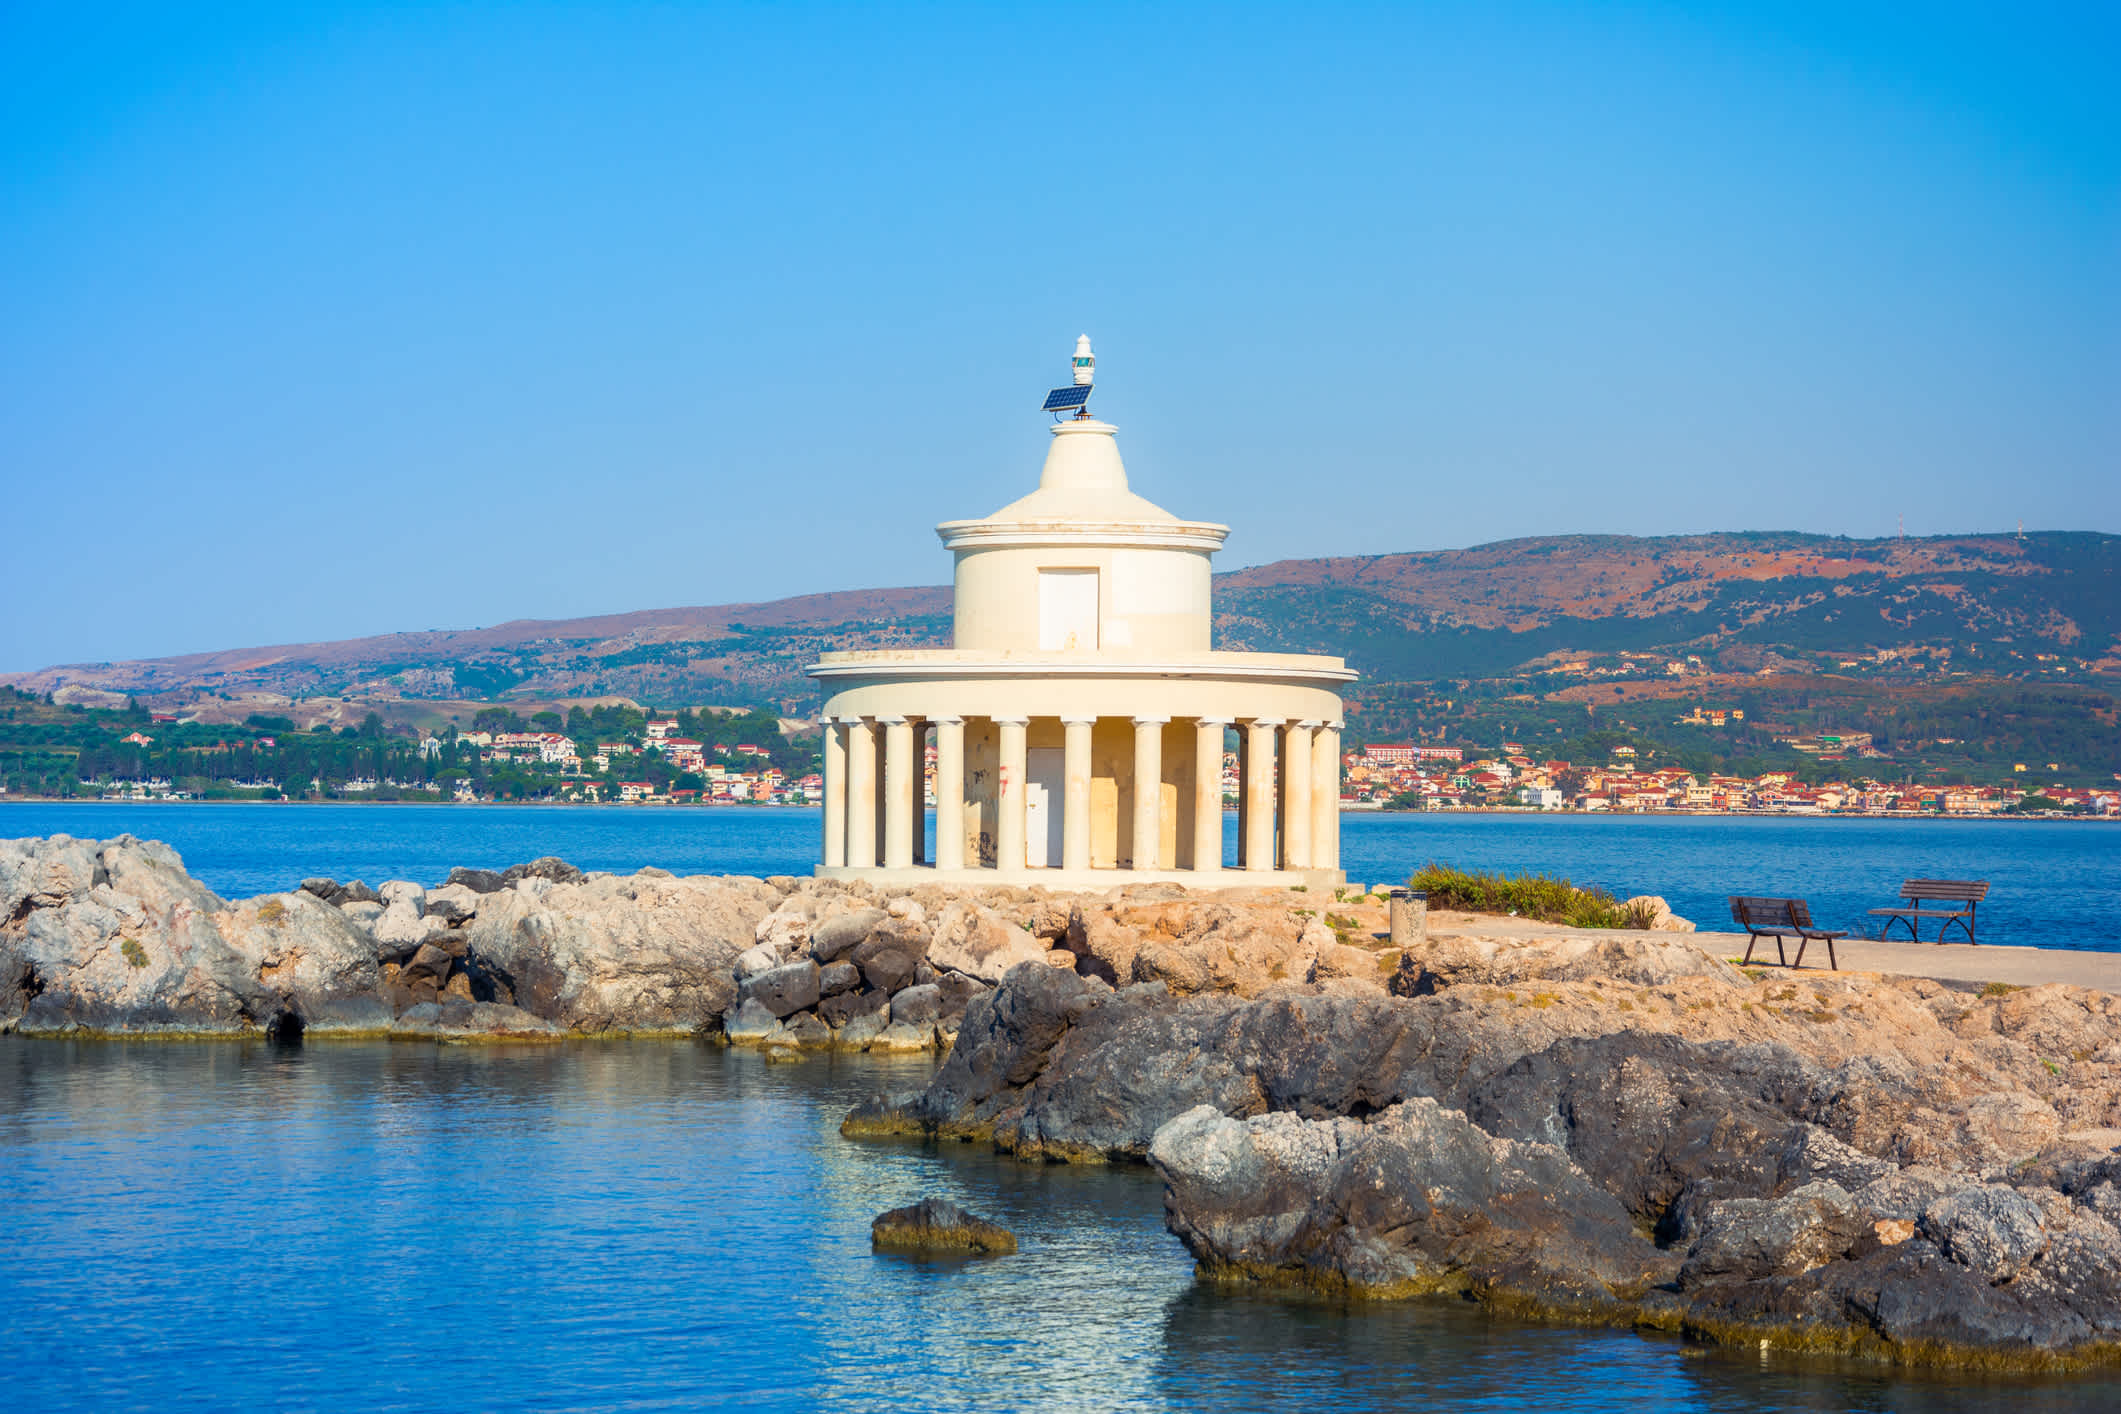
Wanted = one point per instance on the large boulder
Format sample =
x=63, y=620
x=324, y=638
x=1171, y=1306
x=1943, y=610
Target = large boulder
x=317, y=963
x=938, y=1227
x=548, y=867
x=891, y=956
x=785, y=990
x=978, y=942
x=1452, y=960
x=1416, y=1200
x=613, y=954
x=840, y=934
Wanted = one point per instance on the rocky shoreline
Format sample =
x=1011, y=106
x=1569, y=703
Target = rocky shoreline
x=1616, y=1128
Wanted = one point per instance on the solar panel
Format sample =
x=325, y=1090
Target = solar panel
x=1070, y=397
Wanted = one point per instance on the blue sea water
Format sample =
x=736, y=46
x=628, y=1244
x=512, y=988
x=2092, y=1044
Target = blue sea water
x=669, y=1225
x=2056, y=884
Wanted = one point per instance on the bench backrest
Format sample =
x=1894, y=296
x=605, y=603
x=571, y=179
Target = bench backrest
x=1946, y=890
x=1765, y=912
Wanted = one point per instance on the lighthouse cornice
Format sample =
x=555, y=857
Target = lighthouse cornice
x=991, y=534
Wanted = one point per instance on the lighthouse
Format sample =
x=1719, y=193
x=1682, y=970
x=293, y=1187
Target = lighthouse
x=1081, y=715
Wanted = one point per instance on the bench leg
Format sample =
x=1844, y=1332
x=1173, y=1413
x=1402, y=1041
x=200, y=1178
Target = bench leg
x=1887, y=931
x=1752, y=940
x=1801, y=942
x=1833, y=963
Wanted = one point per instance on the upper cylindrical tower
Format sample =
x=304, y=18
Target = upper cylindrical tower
x=1082, y=565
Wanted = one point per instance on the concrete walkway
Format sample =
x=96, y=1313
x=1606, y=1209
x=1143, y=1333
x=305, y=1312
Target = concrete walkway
x=1948, y=962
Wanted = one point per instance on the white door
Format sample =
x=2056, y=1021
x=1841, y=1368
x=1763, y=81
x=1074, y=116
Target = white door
x=1045, y=796
x=1067, y=610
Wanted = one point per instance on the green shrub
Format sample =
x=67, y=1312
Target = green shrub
x=134, y=953
x=1536, y=896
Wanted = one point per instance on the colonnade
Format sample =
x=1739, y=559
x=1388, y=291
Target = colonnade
x=1288, y=794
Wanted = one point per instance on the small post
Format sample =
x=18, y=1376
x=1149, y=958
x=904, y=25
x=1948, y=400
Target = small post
x=1410, y=917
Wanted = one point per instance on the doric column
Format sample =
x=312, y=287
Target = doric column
x=1259, y=793
x=919, y=825
x=949, y=792
x=1325, y=797
x=1075, y=796
x=1296, y=794
x=1208, y=793
x=1148, y=791
x=861, y=793
x=835, y=793
x=1009, y=799
x=898, y=792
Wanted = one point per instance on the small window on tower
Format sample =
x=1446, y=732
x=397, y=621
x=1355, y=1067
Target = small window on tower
x=1067, y=610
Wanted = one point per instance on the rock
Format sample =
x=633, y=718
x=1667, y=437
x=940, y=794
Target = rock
x=404, y=924
x=786, y=989
x=557, y=871
x=841, y=1008
x=1992, y=1230
x=1060, y=957
x=452, y=903
x=1417, y=1200
x=977, y=942
x=838, y=977
x=1656, y=914
x=1751, y=1238
x=325, y=889
x=473, y=1021
x=478, y=881
x=808, y=1032
x=751, y=1025
x=615, y=954
x=836, y=937
x=891, y=954
x=959, y=992
x=358, y=892
x=917, y=1006
x=362, y=912
x=861, y=1029
x=899, y=1036
x=940, y=1228
x=754, y=960
x=1449, y=960
x=1333, y=960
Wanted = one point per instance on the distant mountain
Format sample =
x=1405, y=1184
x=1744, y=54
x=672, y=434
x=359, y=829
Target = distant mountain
x=1997, y=604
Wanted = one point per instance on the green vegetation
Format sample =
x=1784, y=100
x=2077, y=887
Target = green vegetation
x=1535, y=896
x=133, y=953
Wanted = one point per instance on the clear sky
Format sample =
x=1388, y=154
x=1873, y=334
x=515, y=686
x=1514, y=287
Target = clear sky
x=322, y=321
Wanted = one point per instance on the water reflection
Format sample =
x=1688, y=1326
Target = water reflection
x=671, y=1225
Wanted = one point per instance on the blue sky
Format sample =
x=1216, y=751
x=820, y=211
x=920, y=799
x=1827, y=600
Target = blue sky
x=323, y=321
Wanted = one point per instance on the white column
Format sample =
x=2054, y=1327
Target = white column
x=949, y=792
x=1325, y=797
x=1259, y=793
x=1075, y=799
x=835, y=793
x=898, y=792
x=918, y=823
x=1296, y=774
x=1009, y=798
x=1149, y=791
x=861, y=793
x=1208, y=794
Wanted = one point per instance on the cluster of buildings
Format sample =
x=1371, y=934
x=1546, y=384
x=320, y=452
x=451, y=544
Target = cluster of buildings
x=1399, y=774
x=740, y=774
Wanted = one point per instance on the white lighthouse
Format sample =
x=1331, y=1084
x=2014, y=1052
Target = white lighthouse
x=1080, y=715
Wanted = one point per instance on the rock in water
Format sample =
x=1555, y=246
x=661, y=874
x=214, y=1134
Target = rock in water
x=934, y=1226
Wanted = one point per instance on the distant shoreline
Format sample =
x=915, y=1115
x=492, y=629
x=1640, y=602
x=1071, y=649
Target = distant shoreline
x=1227, y=810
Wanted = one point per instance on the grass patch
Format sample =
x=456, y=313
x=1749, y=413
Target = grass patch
x=1536, y=896
x=272, y=911
x=1999, y=989
x=133, y=953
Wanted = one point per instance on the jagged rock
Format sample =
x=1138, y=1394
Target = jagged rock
x=357, y=892
x=1416, y=1200
x=1993, y=1230
x=1449, y=960
x=616, y=954
x=977, y=942
x=958, y=992
x=547, y=867
x=753, y=961
x=900, y=1036
x=1751, y=1238
x=404, y=925
x=315, y=962
x=479, y=881
x=935, y=1226
x=837, y=977
x=786, y=989
x=362, y=911
x=1656, y=913
x=326, y=889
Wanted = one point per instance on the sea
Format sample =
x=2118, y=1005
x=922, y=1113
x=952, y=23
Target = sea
x=672, y=1225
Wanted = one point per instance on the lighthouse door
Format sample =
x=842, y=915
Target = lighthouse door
x=1067, y=611
x=1045, y=795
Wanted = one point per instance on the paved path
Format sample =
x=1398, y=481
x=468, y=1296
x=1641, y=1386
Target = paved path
x=1949, y=962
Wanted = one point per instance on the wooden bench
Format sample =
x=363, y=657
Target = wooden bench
x=1969, y=892
x=1780, y=918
